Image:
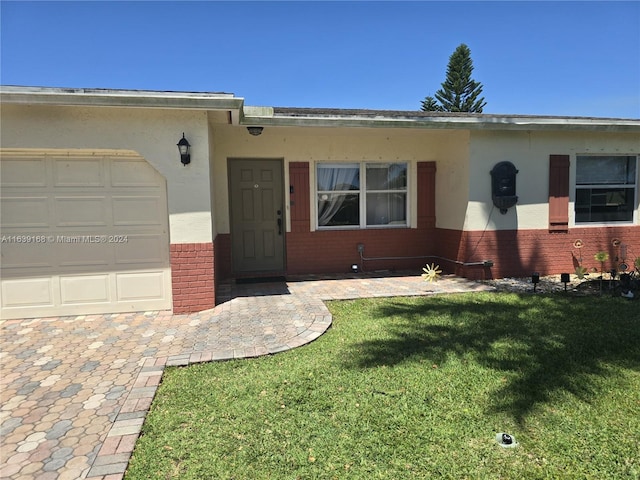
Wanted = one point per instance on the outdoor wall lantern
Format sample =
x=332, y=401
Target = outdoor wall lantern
x=183, y=148
x=503, y=186
x=255, y=131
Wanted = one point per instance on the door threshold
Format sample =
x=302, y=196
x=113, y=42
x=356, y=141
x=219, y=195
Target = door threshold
x=269, y=279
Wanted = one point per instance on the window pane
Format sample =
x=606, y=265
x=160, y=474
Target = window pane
x=332, y=178
x=386, y=176
x=611, y=170
x=583, y=204
x=604, y=205
x=338, y=209
x=386, y=209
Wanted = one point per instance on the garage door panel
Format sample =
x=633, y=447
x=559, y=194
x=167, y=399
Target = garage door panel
x=137, y=286
x=138, y=210
x=78, y=172
x=76, y=252
x=131, y=173
x=140, y=249
x=27, y=172
x=20, y=256
x=81, y=211
x=84, y=289
x=96, y=235
x=24, y=212
x=27, y=292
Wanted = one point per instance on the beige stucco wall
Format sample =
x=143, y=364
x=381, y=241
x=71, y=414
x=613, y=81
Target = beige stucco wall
x=151, y=133
x=198, y=193
x=447, y=148
x=529, y=152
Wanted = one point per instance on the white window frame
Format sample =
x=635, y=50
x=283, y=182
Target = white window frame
x=362, y=192
x=576, y=187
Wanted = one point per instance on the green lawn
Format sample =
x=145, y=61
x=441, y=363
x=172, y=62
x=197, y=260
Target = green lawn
x=415, y=388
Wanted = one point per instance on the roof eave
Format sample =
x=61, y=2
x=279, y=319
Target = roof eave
x=493, y=122
x=119, y=98
x=302, y=117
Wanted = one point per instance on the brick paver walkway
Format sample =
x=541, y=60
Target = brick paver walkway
x=75, y=390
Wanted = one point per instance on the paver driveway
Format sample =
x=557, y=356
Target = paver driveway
x=75, y=390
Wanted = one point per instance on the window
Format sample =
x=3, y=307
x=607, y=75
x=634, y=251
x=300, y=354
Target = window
x=338, y=195
x=386, y=194
x=362, y=195
x=605, y=188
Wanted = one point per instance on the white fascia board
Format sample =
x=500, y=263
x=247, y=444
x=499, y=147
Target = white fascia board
x=119, y=98
x=254, y=116
x=471, y=122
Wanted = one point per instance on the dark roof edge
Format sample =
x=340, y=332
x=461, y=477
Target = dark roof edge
x=321, y=117
x=302, y=112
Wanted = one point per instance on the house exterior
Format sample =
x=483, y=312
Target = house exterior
x=99, y=214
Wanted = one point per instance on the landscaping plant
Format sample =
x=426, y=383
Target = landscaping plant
x=601, y=257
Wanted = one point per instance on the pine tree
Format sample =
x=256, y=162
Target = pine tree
x=429, y=104
x=459, y=92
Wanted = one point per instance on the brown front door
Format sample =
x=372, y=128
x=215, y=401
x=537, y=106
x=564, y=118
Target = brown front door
x=257, y=216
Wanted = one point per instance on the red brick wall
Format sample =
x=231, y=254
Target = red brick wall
x=335, y=251
x=519, y=253
x=192, y=277
x=514, y=253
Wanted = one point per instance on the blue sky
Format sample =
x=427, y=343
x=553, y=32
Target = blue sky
x=549, y=58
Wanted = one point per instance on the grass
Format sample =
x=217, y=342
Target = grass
x=415, y=388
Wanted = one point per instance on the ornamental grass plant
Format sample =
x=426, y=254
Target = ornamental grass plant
x=415, y=388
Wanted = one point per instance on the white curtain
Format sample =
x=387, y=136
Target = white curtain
x=334, y=179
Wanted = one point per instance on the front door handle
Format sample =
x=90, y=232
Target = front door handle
x=279, y=214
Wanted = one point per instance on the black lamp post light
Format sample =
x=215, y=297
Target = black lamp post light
x=183, y=148
x=535, y=279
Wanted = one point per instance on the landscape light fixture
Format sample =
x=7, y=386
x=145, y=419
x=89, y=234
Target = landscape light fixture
x=255, y=131
x=564, y=278
x=183, y=148
x=535, y=279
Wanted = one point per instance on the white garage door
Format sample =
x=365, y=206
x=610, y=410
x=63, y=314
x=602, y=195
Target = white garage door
x=82, y=233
